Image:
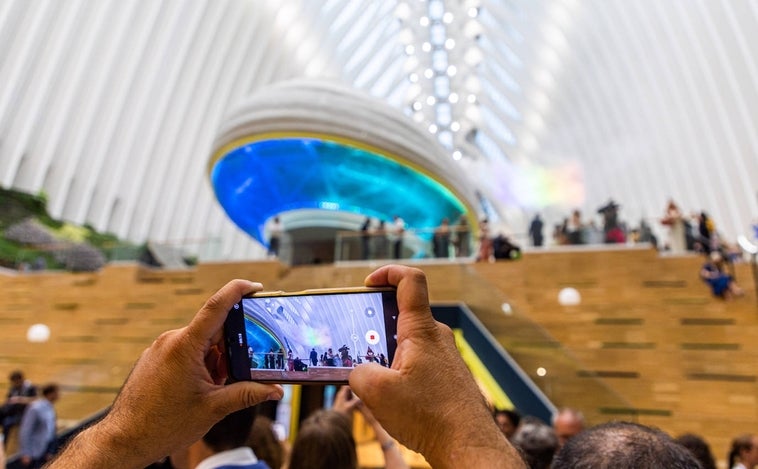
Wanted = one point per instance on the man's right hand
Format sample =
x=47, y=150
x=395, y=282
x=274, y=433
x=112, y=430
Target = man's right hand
x=428, y=399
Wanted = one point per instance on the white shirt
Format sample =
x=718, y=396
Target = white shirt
x=232, y=457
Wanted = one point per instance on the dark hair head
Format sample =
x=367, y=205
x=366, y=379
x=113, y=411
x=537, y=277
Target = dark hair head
x=511, y=415
x=536, y=442
x=325, y=441
x=699, y=448
x=231, y=431
x=16, y=375
x=741, y=443
x=623, y=445
x=265, y=443
x=49, y=389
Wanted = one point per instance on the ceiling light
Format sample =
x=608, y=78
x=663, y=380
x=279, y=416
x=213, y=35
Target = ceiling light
x=453, y=98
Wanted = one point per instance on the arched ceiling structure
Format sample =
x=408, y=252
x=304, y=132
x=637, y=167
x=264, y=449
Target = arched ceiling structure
x=111, y=107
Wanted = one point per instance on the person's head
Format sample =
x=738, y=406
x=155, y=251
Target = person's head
x=623, y=445
x=228, y=433
x=325, y=441
x=536, y=442
x=231, y=431
x=716, y=257
x=699, y=448
x=567, y=423
x=745, y=450
x=265, y=443
x=507, y=421
x=51, y=392
x=16, y=378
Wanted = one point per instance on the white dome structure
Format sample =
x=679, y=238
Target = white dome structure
x=112, y=108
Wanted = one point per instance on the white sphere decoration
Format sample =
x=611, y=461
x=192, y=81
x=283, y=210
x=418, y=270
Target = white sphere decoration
x=541, y=371
x=507, y=309
x=38, y=333
x=569, y=297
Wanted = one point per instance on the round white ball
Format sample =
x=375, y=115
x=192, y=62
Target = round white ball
x=569, y=297
x=38, y=333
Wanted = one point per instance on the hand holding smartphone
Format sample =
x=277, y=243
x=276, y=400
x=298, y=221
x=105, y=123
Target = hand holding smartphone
x=313, y=336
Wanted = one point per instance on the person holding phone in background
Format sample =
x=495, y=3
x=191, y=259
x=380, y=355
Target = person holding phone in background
x=184, y=369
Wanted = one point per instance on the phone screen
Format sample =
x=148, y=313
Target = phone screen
x=310, y=337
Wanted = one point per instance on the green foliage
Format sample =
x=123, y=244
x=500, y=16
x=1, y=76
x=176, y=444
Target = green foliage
x=12, y=255
x=16, y=206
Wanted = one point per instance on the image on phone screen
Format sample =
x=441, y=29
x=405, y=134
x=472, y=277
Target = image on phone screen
x=318, y=337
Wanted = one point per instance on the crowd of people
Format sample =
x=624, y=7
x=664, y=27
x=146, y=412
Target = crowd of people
x=28, y=421
x=277, y=360
x=568, y=442
x=694, y=234
x=683, y=233
x=380, y=240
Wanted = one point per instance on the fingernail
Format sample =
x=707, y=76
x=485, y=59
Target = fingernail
x=256, y=284
x=274, y=396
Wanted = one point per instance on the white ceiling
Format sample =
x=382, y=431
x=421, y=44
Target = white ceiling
x=111, y=107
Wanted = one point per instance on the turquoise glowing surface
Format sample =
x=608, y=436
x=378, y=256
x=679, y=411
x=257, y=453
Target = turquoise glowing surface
x=261, y=179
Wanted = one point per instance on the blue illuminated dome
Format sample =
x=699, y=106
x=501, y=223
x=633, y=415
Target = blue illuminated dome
x=259, y=180
x=322, y=148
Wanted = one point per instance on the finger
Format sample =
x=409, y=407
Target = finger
x=372, y=382
x=241, y=395
x=207, y=322
x=412, y=297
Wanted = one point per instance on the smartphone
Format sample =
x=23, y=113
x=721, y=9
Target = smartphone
x=312, y=336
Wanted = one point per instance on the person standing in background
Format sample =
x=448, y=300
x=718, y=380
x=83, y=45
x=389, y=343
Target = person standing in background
x=274, y=242
x=398, y=229
x=441, y=239
x=366, y=239
x=674, y=220
x=462, y=238
x=535, y=231
x=37, y=430
x=20, y=393
x=485, y=242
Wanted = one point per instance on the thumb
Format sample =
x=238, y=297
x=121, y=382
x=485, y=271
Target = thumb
x=372, y=382
x=241, y=395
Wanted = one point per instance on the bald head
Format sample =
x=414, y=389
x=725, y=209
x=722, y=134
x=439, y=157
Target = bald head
x=624, y=445
x=567, y=423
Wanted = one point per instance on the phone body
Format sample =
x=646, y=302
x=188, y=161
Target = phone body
x=312, y=336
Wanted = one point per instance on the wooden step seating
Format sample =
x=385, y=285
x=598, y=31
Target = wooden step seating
x=100, y=323
x=649, y=328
